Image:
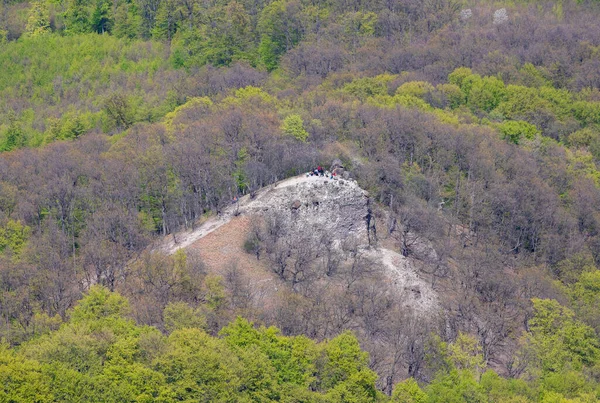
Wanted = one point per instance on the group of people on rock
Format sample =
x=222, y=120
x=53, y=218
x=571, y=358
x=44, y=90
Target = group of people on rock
x=319, y=171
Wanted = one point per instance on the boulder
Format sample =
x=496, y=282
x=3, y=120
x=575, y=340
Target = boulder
x=336, y=164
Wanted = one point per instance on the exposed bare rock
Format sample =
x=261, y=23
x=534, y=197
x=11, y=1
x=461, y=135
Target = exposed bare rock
x=337, y=208
x=318, y=207
x=417, y=293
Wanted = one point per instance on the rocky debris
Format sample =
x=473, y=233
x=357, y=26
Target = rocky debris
x=336, y=164
x=500, y=16
x=338, y=169
x=417, y=293
x=466, y=14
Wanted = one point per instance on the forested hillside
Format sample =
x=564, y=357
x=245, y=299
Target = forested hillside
x=473, y=125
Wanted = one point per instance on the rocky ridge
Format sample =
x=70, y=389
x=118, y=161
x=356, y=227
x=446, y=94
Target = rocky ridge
x=338, y=209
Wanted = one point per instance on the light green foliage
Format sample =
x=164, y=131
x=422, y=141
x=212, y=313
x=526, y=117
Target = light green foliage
x=482, y=93
x=69, y=126
x=516, y=131
x=293, y=126
x=13, y=237
x=99, y=305
x=357, y=389
x=565, y=385
x=22, y=379
x=267, y=52
x=466, y=353
x=521, y=101
x=41, y=323
x=501, y=390
x=250, y=95
x=360, y=23
x=215, y=293
x=38, y=22
x=179, y=315
x=531, y=76
x=459, y=75
x=485, y=93
x=293, y=358
x=458, y=378
x=408, y=391
x=585, y=297
x=99, y=355
x=367, y=87
x=456, y=386
x=411, y=101
x=345, y=362
x=559, y=341
x=581, y=164
x=453, y=94
x=407, y=101
x=415, y=88
x=584, y=137
x=561, y=100
x=446, y=117
x=199, y=367
x=196, y=105
x=587, y=112
x=63, y=80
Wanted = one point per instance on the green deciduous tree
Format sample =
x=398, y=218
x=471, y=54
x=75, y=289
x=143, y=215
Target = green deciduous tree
x=516, y=131
x=558, y=341
x=486, y=93
x=179, y=315
x=14, y=136
x=293, y=126
x=408, y=391
x=280, y=29
x=13, y=236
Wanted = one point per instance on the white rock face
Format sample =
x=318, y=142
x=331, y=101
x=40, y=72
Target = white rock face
x=500, y=16
x=465, y=14
x=417, y=293
x=338, y=209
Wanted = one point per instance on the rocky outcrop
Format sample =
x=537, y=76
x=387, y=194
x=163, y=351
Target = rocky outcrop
x=336, y=208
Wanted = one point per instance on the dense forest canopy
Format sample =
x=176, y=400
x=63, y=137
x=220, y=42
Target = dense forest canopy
x=473, y=125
